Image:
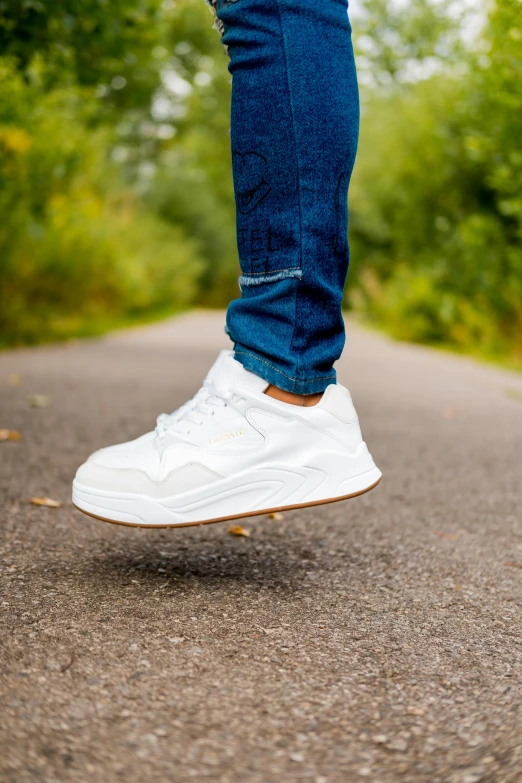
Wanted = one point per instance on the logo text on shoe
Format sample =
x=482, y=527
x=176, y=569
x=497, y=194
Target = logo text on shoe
x=225, y=437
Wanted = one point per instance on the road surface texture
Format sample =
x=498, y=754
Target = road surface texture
x=376, y=639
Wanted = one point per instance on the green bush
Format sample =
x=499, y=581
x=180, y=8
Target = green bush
x=437, y=199
x=74, y=251
x=116, y=198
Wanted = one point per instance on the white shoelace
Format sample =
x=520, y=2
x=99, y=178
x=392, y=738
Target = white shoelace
x=203, y=403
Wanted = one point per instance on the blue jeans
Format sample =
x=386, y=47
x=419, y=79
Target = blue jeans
x=294, y=132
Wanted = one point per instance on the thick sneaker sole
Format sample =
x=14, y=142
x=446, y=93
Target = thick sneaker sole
x=265, y=490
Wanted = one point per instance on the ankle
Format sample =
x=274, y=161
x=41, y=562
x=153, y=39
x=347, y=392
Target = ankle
x=302, y=400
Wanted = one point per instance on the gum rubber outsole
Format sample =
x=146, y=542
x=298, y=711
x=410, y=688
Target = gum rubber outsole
x=264, y=512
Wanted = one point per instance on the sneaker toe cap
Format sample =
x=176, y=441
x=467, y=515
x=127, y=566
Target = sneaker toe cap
x=111, y=479
x=95, y=477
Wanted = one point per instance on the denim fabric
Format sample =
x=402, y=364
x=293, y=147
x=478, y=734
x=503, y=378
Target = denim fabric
x=294, y=131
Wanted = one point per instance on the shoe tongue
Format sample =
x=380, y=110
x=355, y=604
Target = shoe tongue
x=227, y=373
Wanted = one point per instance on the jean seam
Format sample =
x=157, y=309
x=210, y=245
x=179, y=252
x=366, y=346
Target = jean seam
x=273, y=367
x=298, y=167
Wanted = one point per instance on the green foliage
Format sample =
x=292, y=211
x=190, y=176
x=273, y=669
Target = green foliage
x=85, y=42
x=111, y=205
x=390, y=38
x=436, y=201
x=72, y=250
x=193, y=185
x=115, y=176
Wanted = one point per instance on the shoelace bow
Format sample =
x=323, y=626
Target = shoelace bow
x=203, y=403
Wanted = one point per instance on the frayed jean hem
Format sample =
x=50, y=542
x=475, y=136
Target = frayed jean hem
x=269, y=372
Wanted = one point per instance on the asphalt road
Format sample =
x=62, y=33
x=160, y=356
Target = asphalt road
x=377, y=639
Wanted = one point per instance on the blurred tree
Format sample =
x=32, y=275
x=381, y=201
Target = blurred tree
x=81, y=141
x=401, y=41
x=92, y=43
x=436, y=198
x=194, y=182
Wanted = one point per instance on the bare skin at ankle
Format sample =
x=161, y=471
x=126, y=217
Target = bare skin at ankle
x=302, y=400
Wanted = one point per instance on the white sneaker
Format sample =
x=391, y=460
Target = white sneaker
x=231, y=451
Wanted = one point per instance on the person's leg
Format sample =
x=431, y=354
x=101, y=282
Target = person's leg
x=241, y=446
x=294, y=131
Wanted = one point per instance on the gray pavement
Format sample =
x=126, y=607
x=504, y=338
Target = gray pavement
x=377, y=639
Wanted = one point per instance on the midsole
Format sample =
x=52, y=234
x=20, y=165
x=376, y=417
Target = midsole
x=254, y=490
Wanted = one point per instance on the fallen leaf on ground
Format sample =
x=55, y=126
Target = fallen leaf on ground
x=13, y=379
x=448, y=536
x=68, y=665
x=419, y=711
x=48, y=502
x=10, y=435
x=237, y=530
x=452, y=412
x=276, y=515
x=39, y=400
